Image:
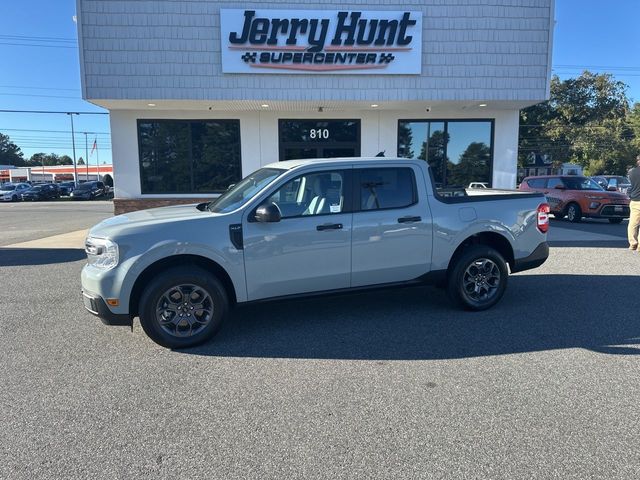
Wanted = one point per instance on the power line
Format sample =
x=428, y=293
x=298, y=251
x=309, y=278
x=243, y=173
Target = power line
x=39, y=88
x=53, y=112
x=36, y=45
x=33, y=37
x=35, y=95
x=47, y=131
x=626, y=67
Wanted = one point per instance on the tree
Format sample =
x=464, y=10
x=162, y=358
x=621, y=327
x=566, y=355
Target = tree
x=80, y=161
x=48, y=160
x=585, y=121
x=10, y=153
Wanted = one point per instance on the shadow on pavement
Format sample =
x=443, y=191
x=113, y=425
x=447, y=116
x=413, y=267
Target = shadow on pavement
x=14, y=257
x=584, y=232
x=589, y=243
x=538, y=312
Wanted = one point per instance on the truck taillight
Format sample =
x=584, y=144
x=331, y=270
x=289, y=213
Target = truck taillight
x=543, y=217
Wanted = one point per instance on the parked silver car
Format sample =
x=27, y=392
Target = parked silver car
x=12, y=192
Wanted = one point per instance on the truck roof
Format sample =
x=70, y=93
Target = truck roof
x=289, y=164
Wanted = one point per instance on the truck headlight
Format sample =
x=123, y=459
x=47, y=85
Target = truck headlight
x=101, y=252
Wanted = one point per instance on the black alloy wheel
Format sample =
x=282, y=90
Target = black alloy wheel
x=183, y=307
x=478, y=278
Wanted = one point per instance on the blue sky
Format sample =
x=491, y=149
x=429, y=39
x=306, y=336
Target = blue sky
x=43, y=74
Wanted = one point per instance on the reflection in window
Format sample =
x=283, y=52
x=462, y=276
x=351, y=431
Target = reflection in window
x=188, y=156
x=382, y=188
x=317, y=193
x=458, y=152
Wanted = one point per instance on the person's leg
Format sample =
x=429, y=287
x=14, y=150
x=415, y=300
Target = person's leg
x=634, y=224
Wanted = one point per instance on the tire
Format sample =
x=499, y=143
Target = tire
x=615, y=220
x=491, y=275
x=574, y=213
x=167, y=292
x=14, y=198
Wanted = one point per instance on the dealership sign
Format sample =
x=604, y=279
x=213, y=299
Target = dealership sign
x=321, y=41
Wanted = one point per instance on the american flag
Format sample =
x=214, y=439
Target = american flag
x=95, y=145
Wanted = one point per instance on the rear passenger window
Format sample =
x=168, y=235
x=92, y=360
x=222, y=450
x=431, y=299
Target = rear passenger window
x=382, y=188
x=553, y=182
x=537, y=182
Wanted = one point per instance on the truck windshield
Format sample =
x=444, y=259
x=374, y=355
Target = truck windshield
x=245, y=190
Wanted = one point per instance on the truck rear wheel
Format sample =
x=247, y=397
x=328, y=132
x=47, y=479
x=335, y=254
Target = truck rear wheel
x=478, y=278
x=183, y=307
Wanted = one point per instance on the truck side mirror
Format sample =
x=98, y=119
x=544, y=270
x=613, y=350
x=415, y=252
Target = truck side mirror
x=268, y=213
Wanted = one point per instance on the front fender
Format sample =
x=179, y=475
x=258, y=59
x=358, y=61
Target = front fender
x=230, y=259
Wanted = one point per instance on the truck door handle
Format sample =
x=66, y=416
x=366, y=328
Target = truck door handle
x=409, y=219
x=329, y=226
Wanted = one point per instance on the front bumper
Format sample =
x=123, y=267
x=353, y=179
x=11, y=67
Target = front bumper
x=537, y=258
x=614, y=211
x=96, y=305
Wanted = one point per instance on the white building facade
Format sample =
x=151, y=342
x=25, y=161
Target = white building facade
x=201, y=93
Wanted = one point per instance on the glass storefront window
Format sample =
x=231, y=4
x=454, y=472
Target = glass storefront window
x=458, y=151
x=318, y=138
x=188, y=156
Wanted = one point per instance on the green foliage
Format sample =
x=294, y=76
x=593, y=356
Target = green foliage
x=10, y=153
x=587, y=121
x=80, y=161
x=48, y=160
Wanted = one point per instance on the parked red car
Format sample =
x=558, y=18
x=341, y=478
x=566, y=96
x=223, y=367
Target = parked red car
x=578, y=197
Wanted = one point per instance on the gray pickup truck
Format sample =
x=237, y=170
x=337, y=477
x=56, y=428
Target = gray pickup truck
x=307, y=227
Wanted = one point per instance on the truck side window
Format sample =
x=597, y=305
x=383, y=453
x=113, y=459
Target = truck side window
x=382, y=188
x=316, y=193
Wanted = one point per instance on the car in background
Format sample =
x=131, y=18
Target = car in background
x=478, y=185
x=576, y=197
x=12, y=192
x=66, y=188
x=613, y=183
x=46, y=191
x=88, y=191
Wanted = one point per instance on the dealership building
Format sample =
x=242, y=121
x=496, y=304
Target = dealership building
x=202, y=93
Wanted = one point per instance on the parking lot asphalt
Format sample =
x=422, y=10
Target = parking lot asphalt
x=25, y=221
x=394, y=384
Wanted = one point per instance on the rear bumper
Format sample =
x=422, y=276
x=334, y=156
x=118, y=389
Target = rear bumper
x=98, y=307
x=537, y=258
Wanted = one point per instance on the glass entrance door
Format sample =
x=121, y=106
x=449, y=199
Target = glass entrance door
x=319, y=138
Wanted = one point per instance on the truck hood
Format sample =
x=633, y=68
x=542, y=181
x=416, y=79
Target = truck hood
x=143, y=219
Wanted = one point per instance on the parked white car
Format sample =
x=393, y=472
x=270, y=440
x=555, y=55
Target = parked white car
x=12, y=192
x=478, y=185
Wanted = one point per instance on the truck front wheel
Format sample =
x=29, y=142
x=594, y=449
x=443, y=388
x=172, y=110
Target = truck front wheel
x=183, y=307
x=478, y=278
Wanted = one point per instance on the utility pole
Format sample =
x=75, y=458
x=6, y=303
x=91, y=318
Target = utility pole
x=86, y=154
x=73, y=142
